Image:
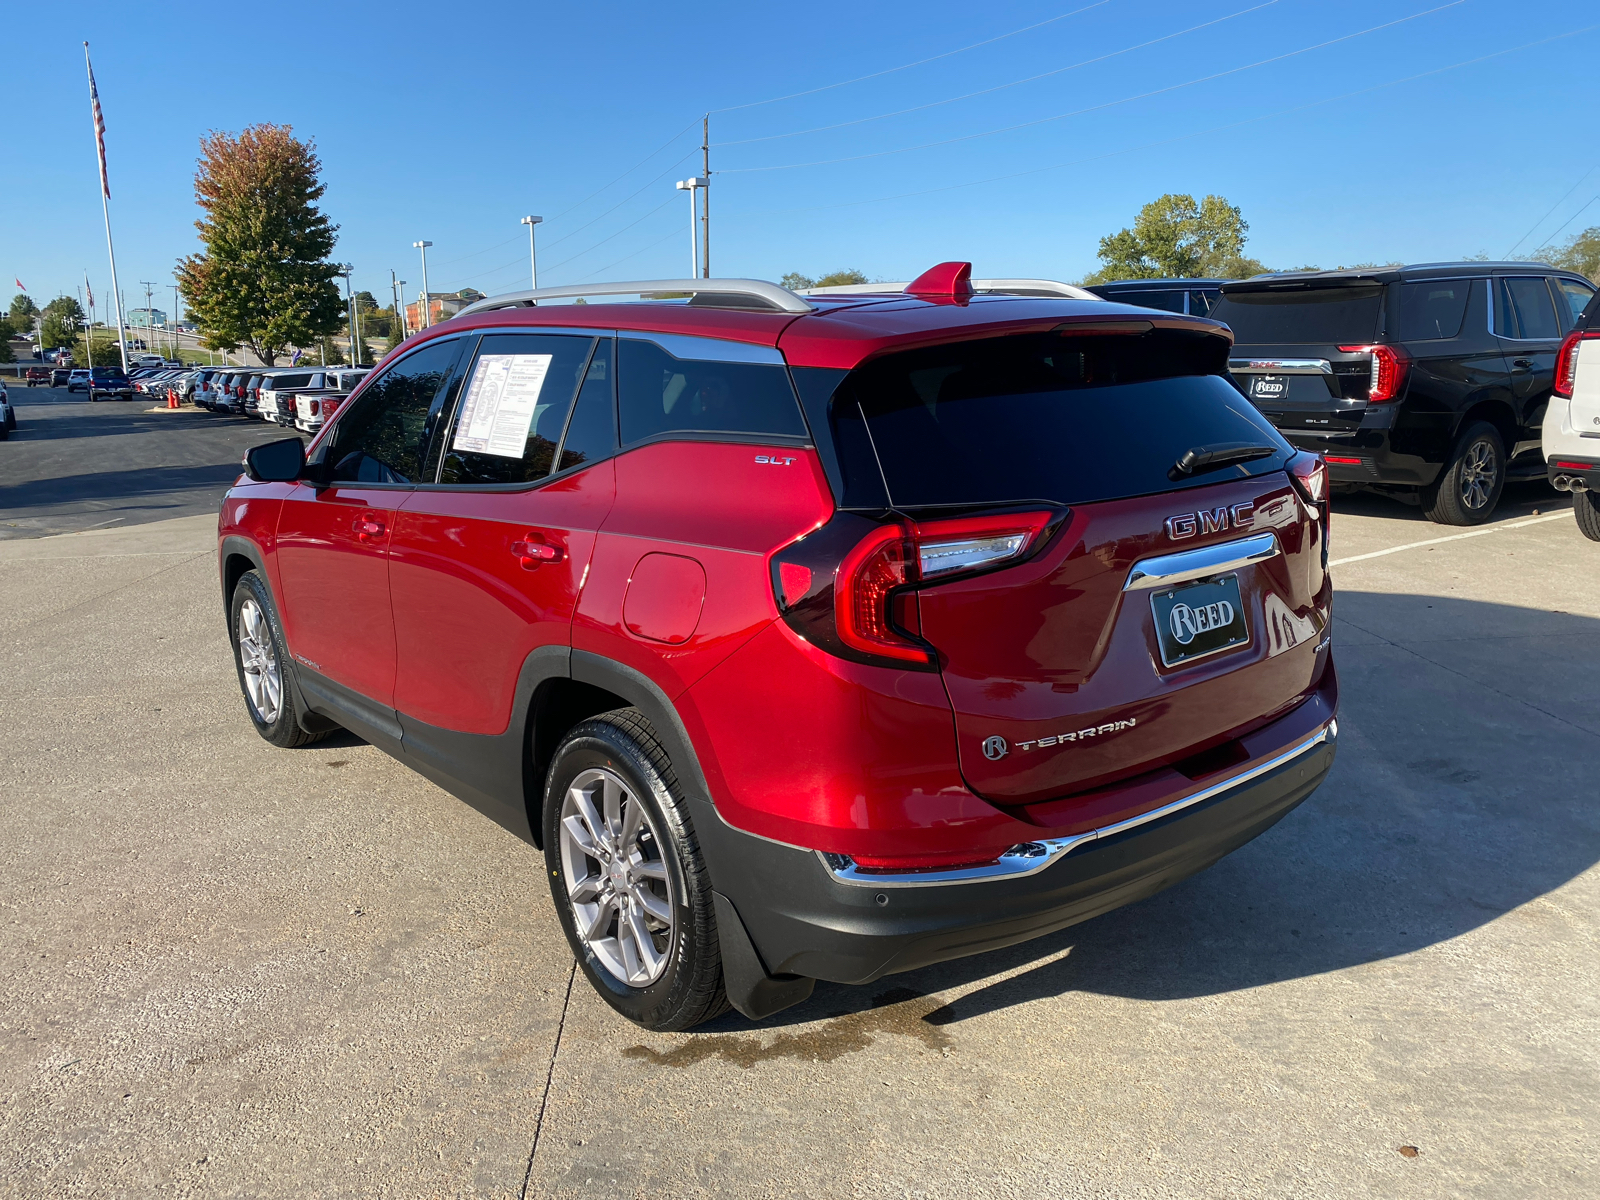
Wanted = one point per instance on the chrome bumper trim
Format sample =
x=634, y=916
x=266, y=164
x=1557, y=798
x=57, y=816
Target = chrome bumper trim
x=1029, y=858
x=1167, y=570
x=1280, y=366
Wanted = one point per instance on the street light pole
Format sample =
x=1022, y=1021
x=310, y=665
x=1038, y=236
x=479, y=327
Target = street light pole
x=149, y=316
x=533, y=257
x=691, y=186
x=177, y=347
x=349, y=307
x=427, y=317
x=397, y=327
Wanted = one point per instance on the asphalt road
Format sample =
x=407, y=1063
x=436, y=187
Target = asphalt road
x=232, y=970
x=71, y=465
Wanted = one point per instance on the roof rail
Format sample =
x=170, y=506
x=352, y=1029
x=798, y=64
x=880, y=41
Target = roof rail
x=994, y=287
x=766, y=295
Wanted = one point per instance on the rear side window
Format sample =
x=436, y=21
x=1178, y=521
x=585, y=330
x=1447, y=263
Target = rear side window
x=283, y=382
x=1431, y=309
x=701, y=385
x=1324, y=315
x=1532, y=312
x=514, y=408
x=1047, y=417
x=1166, y=301
x=1574, y=298
x=592, y=431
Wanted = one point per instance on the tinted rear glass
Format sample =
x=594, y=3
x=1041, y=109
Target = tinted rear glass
x=1431, y=309
x=1330, y=315
x=1046, y=417
x=1167, y=300
x=663, y=393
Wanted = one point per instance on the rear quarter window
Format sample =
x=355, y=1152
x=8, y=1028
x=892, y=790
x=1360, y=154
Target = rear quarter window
x=699, y=385
x=1047, y=417
x=1430, y=309
x=1323, y=315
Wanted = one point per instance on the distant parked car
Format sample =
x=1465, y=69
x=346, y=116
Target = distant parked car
x=313, y=408
x=1426, y=382
x=279, y=397
x=150, y=360
x=38, y=377
x=58, y=376
x=230, y=392
x=8, y=415
x=1572, y=422
x=1192, y=296
x=78, y=379
x=109, y=383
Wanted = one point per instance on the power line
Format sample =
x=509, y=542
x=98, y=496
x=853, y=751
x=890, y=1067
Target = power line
x=1097, y=107
x=1551, y=239
x=951, y=187
x=650, y=183
x=670, y=200
x=920, y=62
x=635, y=254
x=628, y=172
x=1553, y=207
x=1002, y=86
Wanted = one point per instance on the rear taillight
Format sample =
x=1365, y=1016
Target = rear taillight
x=850, y=586
x=1310, y=476
x=1567, y=361
x=1389, y=365
x=312, y=408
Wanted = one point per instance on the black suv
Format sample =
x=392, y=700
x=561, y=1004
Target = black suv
x=1192, y=296
x=1427, y=382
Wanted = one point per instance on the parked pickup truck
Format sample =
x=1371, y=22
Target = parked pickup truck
x=38, y=376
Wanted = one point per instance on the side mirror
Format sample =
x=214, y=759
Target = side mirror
x=281, y=461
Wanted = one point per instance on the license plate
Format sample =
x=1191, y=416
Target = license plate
x=1199, y=619
x=1267, y=388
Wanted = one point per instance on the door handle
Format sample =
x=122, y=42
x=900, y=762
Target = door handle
x=533, y=550
x=1522, y=364
x=368, y=528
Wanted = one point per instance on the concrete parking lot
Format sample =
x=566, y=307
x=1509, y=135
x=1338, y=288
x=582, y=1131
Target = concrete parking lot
x=231, y=970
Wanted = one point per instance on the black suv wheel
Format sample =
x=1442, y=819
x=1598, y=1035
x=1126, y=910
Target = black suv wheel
x=627, y=875
x=1469, y=487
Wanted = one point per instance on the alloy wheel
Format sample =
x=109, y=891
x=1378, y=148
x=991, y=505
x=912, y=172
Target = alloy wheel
x=258, y=658
x=617, y=882
x=1479, y=474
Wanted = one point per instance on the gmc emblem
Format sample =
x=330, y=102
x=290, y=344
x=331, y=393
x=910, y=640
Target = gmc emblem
x=1214, y=520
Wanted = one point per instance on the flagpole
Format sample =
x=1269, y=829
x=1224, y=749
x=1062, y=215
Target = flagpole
x=105, y=207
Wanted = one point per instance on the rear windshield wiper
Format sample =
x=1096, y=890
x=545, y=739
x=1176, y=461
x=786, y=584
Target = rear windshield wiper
x=1219, y=454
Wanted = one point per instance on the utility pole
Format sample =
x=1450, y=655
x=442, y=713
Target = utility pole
x=690, y=186
x=350, y=308
x=177, y=348
x=397, y=327
x=533, y=258
x=149, y=316
x=427, y=317
x=705, y=201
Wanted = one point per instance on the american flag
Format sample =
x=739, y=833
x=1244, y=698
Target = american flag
x=88, y=289
x=99, y=125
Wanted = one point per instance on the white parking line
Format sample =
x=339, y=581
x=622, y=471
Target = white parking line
x=1454, y=537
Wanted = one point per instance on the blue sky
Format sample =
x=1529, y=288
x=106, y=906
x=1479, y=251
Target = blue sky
x=1015, y=147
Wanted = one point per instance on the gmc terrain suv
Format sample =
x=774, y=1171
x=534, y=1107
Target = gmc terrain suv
x=809, y=639
x=1426, y=382
x=1572, y=422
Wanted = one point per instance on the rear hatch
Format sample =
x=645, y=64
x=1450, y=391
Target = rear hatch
x=1303, y=350
x=1096, y=612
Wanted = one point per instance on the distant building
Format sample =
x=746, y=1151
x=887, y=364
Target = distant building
x=441, y=307
x=145, y=318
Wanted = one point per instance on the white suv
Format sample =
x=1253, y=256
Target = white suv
x=1571, y=433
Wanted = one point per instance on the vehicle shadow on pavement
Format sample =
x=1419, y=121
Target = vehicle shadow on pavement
x=114, y=485
x=1518, y=497
x=1438, y=817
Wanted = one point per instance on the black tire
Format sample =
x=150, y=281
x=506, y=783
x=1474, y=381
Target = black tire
x=689, y=988
x=1469, y=487
x=1586, y=507
x=281, y=725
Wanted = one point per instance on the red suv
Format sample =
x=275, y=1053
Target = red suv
x=809, y=639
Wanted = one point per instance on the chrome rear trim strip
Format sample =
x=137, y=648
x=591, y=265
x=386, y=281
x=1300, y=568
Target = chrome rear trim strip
x=1030, y=858
x=1280, y=366
x=1168, y=570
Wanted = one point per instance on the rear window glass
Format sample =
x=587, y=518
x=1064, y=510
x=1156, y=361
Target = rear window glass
x=1054, y=418
x=1165, y=300
x=661, y=392
x=282, y=382
x=1330, y=315
x=1431, y=309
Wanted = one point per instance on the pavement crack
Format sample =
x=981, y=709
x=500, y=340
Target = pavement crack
x=555, y=1050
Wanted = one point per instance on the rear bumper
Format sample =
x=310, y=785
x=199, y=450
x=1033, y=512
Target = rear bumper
x=1580, y=473
x=805, y=919
x=1366, y=455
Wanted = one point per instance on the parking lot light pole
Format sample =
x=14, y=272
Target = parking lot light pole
x=398, y=327
x=427, y=320
x=350, y=309
x=533, y=257
x=691, y=186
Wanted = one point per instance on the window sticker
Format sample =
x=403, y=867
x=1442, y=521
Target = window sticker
x=500, y=404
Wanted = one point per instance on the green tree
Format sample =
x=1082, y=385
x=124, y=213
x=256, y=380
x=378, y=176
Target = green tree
x=1174, y=237
x=1581, y=254
x=7, y=332
x=102, y=352
x=22, y=312
x=795, y=282
x=265, y=280
x=63, y=317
